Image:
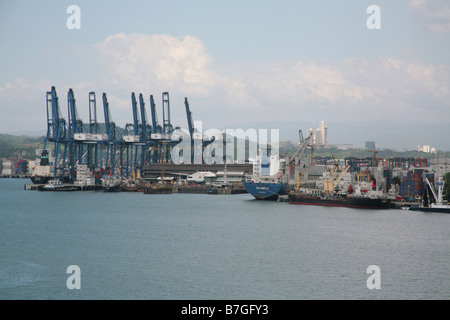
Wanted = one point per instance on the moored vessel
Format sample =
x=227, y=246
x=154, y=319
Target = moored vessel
x=265, y=190
x=111, y=184
x=330, y=195
x=437, y=204
x=57, y=185
x=40, y=172
x=267, y=181
x=158, y=189
x=113, y=187
x=362, y=202
x=213, y=191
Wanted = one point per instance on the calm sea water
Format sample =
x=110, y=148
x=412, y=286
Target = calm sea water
x=184, y=246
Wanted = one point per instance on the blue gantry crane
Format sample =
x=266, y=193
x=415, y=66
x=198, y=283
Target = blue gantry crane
x=133, y=131
x=76, y=136
x=56, y=131
x=167, y=125
x=190, y=123
x=146, y=133
x=96, y=141
x=110, y=128
x=102, y=147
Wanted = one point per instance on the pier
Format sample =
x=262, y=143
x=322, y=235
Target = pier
x=205, y=189
x=34, y=187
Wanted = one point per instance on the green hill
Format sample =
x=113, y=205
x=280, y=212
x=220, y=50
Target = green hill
x=20, y=146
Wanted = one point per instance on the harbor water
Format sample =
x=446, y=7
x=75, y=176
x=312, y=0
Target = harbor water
x=192, y=246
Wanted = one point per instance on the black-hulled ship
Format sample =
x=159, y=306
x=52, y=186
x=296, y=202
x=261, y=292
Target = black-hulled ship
x=111, y=184
x=57, y=185
x=113, y=187
x=436, y=203
x=158, y=189
x=331, y=196
x=362, y=202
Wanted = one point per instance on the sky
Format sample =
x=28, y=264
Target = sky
x=284, y=65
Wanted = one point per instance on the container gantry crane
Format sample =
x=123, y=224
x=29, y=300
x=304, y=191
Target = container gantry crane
x=76, y=137
x=112, y=142
x=190, y=123
x=94, y=147
x=132, y=137
x=56, y=130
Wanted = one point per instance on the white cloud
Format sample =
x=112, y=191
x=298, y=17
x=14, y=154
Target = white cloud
x=157, y=61
x=353, y=89
x=434, y=13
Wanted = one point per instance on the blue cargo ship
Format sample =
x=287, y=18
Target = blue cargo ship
x=265, y=190
x=267, y=181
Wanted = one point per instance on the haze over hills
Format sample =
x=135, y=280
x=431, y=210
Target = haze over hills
x=389, y=134
x=25, y=146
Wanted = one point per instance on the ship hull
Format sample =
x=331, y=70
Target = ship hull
x=158, y=190
x=112, y=188
x=40, y=179
x=352, y=202
x=58, y=188
x=265, y=191
x=427, y=209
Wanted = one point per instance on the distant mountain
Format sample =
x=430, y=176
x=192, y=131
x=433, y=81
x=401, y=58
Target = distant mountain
x=20, y=146
x=390, y=133
x=24, y=146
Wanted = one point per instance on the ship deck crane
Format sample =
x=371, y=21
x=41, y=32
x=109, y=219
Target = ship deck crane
x=330, y=183
x=295, y=155
x=437, y=199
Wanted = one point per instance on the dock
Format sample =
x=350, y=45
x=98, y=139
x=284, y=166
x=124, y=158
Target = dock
x=32, y=186
x=403, y=204
x=205, y=189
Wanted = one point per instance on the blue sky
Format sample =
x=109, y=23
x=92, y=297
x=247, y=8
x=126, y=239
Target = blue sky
x=274, y=64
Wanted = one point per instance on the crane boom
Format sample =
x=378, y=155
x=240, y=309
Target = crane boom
x=109, y=125
x=432, y=190
x=93, y=127
x=167, y=125
x=155, y=125
x=135, y=114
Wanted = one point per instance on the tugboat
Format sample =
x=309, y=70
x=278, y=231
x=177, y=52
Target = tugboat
x=57, y=185
x=111, y=185
x=439, y=205
x=158, y=189
x=213, y=191
x=130, y=185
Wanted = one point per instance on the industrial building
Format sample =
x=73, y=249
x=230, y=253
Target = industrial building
x=319, y=135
